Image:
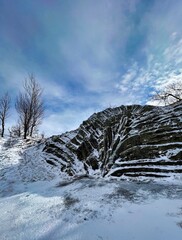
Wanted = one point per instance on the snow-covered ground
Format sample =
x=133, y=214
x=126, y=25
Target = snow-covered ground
x=38, y=203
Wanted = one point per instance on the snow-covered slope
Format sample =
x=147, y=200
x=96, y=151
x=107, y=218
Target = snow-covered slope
x=92, y=209
x=22, y=162
x=127, y=141
x=36, y=203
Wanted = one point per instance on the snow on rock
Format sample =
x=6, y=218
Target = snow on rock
x=130, y=141
x=52, y=189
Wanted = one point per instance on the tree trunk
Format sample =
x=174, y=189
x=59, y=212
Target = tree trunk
x=31, y=130
x=25, y=132
x=2, y=132
x=25, y=135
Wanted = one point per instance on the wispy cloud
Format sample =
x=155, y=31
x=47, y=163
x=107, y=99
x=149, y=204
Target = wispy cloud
x=88, y=55
x=59, y=122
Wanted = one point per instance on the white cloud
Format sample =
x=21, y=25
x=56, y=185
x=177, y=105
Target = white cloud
x=129, y=76
x=12, y=77
x=92, y=50
x=133, y=80
x=67, y=120
x=161, y=69
x=51, y=90
x=89, y=47
x=174, y=52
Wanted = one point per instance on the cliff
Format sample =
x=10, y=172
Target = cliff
x=124, y=141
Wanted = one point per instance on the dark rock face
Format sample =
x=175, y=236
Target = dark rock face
x=128, y=140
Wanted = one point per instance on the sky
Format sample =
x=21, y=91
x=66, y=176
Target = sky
x=88, y=55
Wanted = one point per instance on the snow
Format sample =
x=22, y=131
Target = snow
x=89, y=209
x=38, y=202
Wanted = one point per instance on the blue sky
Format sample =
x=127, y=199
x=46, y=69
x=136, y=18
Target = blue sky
x=89, y=54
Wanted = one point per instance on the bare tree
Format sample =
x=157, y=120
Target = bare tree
x=15, y=131
x=38, y=105
x=170, y=94
x=22, y=106
x=29, y=106
x=4, y=111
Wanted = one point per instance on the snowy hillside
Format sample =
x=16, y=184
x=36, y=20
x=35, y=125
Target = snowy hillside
x=41, y=201
x=38, y=203
x=127, y=141
x=20, y=161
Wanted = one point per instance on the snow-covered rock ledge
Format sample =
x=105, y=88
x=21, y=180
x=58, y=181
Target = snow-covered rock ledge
x=124, y=142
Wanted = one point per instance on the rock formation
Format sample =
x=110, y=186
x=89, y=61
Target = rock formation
x=124, y=141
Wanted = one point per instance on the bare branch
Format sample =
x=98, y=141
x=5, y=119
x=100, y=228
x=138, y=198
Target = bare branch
x=30, y=106
x=172, y=93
